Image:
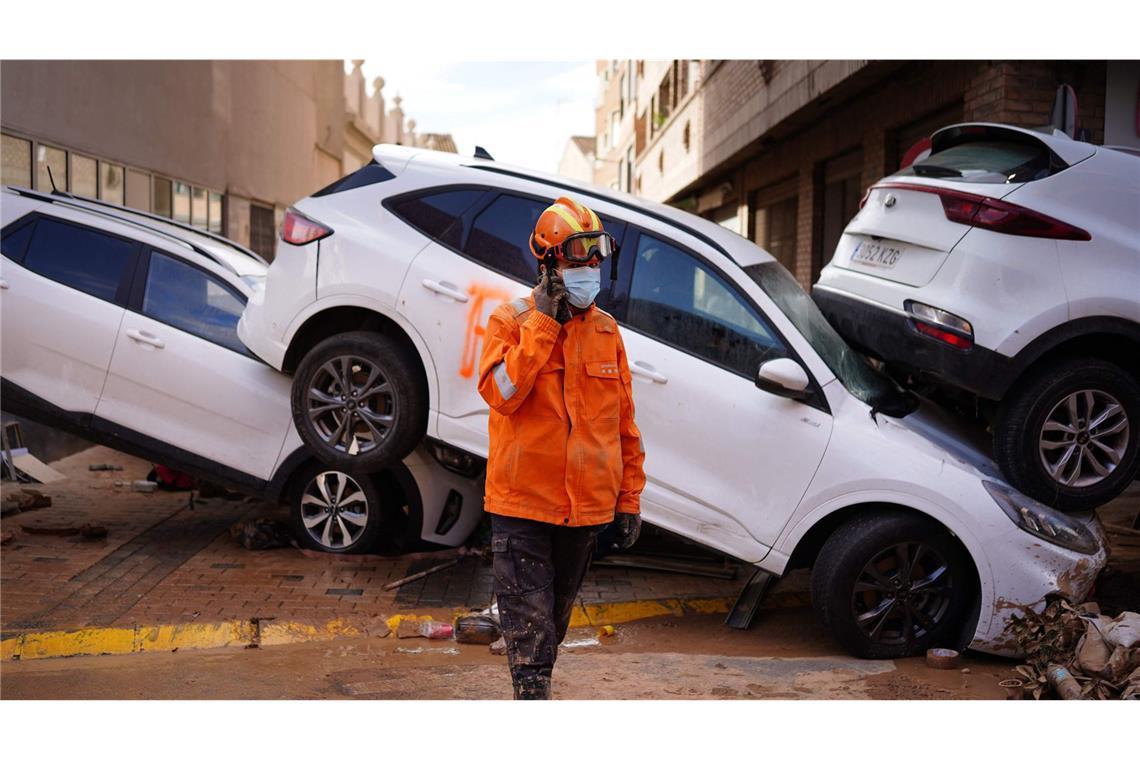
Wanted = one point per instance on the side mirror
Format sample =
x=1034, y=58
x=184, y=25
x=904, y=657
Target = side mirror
x=783, y=377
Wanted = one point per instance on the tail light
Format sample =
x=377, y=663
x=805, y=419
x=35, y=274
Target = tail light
x=298, y=229
x=997, y=216
x=941, y=325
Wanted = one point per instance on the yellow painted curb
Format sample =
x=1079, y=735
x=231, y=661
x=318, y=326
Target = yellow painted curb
x=232, y=633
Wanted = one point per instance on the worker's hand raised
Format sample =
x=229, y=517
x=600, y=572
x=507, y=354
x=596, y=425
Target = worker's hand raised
x=549, y=297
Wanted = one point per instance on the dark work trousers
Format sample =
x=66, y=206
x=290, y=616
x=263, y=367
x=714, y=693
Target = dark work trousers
x=539, y=568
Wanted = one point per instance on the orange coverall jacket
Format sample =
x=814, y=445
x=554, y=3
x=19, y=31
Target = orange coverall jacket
x=564, y=448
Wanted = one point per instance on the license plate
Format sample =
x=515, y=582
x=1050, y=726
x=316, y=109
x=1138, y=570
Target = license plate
x=879, y=255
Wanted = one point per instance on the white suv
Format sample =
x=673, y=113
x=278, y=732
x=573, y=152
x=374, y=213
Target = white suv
x=120, y=327
x=1006, y=265
x=766, y=436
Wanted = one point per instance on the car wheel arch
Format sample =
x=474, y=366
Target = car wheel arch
x=1098, y=337
x=340, y=317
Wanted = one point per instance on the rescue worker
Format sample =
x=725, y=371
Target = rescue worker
x=565, y=455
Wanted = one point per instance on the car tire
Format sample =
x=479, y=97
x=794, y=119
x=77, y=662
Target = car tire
x=855, y=574
x=386, y=418
x=333, y=511
x=1031, y=434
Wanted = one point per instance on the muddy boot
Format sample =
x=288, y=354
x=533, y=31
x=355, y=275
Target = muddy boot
x=534, y=687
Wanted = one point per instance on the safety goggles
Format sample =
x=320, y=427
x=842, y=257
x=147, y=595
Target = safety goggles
x=583, y=247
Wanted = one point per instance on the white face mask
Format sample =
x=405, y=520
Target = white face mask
x=582, y=285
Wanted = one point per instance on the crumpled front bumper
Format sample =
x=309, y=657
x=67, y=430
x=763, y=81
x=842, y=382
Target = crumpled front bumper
x=1024, y=570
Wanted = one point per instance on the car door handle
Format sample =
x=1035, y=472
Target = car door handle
x=140, y=336
x=646, y=370
x=446, y=289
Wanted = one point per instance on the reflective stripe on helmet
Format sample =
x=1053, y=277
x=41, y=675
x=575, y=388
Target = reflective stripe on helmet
x=567, y=217
x=503, y=381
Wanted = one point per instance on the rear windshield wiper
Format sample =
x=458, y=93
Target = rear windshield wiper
x=931, y=170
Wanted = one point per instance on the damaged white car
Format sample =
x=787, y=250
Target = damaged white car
x=767, y=437
x=120, y=327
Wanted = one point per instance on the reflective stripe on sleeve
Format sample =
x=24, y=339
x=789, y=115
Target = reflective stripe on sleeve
x=503, y=380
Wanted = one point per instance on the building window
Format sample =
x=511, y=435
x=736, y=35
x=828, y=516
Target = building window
x=138, y=190
x=728, y=217
x=615, y=121
x=199, y=208
x=17, y=168
x=774, y=228
x=216, y=213
x=661, y=162
x=162, y=197
x=55, y=160
x=111, y=183
x=686, y=136
x=629, y=169
x=182, y=202
x=262, y=232
x=84, y=176
x=621, y=95
x=842, y=190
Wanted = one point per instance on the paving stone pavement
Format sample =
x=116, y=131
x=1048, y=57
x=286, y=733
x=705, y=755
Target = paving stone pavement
x=162, y=562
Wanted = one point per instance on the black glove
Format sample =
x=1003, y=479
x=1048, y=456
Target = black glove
x=550, y=297
x=628, y=528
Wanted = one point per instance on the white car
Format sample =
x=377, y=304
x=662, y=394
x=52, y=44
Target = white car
x=766, y=436
x=121, y=327
x=1006, y=267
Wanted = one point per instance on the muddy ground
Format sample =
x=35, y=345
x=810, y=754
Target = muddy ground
x=786, y=656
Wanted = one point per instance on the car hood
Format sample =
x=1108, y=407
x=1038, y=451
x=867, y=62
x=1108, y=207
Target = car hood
x=953, y=437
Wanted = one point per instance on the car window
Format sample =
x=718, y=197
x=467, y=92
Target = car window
x=500, y=239
x=437, y=215
x=681, y=301
x=500, y=234
x=189, y=299
x=16, y=242
x=988, y=161
x=79, y=257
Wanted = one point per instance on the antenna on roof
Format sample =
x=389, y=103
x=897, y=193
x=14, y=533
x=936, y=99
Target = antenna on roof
x=481, y=152
x=54, y=190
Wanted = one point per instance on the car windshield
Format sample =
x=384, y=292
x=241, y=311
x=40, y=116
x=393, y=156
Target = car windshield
x=863, y=381
x=988, y=161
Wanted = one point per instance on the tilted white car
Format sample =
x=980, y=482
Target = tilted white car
x=1006, y=267
x=766, y=436
x=121, y=328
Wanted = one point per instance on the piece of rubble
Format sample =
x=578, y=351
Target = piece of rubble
x=25, y=500
x=262, y=533
x=144, y=486
x=6, y=537
x=499, y=647
x=40, y=529
x=943, y=659
x=476, y=629
x=92, y=531
x=104, y=467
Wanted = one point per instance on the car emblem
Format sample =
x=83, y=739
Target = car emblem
x=890, y=200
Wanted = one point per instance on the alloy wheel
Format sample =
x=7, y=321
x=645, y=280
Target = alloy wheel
x=334, y=510
x=903, y=593
x=1084, y=438
x=351, y=404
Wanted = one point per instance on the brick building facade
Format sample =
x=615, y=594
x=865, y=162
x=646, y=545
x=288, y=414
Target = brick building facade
x=782, y=151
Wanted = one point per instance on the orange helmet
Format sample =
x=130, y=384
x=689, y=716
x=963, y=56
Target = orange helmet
x=570, y=231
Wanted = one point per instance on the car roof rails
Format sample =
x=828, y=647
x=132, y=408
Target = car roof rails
x=79, y=204
x=172, y=222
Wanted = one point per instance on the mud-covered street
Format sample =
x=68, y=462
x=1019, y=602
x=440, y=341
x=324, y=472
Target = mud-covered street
x=786, y=656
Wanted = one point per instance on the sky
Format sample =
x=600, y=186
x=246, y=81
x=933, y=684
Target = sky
x=521, y=112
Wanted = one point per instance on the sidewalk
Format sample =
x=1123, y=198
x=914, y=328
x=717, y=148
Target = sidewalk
x=164, y=563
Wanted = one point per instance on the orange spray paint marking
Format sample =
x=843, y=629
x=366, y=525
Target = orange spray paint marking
x=476, y=328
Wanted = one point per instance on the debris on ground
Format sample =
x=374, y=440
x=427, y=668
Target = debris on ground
x=40, y=529
x=943, y=659
x=423, y=574
x=92, y=531
x=425, y=629
x=499, y=646
x=477, y=629
x=1078, y=653
x=144, y=486
x=6, y=537
x=262, y=533
x=25, y=500
x=104, y=467
x=18, y=463
x=606, y=631
x=169, y=479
